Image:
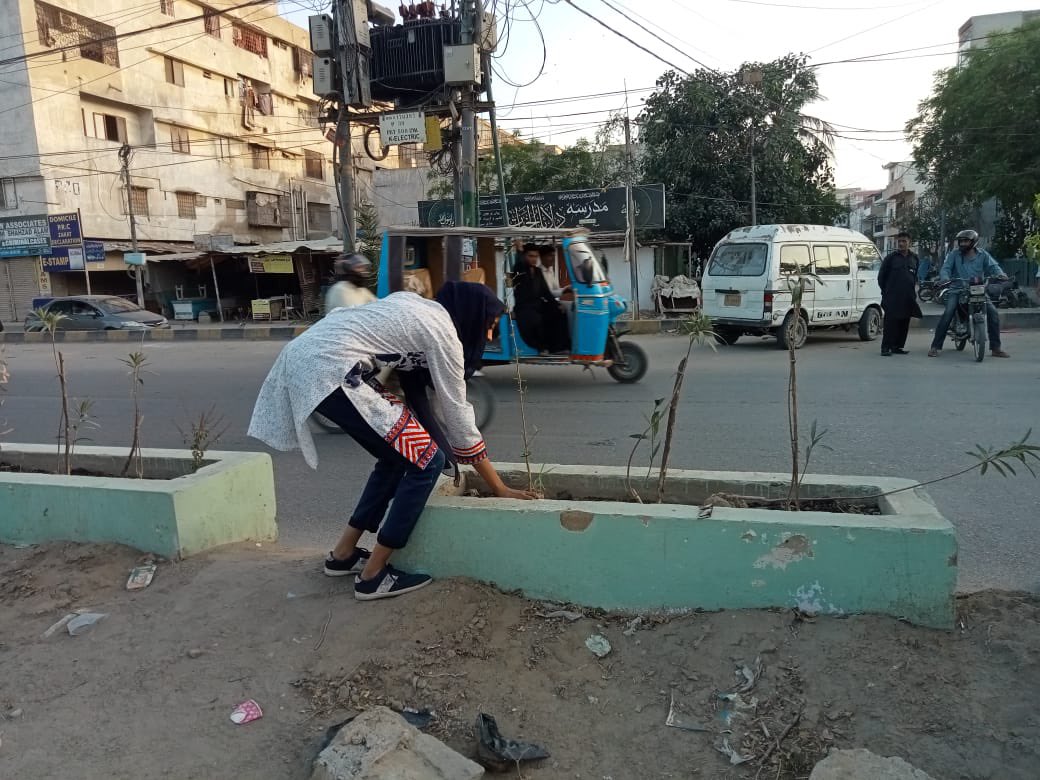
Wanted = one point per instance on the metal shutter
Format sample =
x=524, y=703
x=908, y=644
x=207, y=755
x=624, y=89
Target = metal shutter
x=18, y=287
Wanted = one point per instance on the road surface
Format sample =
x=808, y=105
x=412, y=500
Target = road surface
x=899, y=416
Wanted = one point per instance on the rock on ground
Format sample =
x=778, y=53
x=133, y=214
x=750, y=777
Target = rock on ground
x=863, y=765
x=380, y=745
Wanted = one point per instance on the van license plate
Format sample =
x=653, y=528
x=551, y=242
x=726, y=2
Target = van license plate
x=731, y=299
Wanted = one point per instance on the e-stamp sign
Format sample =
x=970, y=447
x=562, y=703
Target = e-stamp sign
x=404, y=127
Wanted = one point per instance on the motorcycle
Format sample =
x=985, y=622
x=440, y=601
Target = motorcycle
x=971, y=317
x=1006, y=294
x=927, y=289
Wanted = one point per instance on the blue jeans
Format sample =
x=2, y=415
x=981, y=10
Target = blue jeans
x=992, y=323
x=394, y=478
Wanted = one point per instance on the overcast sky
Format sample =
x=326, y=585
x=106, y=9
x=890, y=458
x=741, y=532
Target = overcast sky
x=584, y=58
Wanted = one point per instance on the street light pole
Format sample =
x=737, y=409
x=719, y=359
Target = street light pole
x=753, y=78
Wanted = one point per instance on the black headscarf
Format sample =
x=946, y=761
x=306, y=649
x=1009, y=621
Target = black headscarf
x=473, y=309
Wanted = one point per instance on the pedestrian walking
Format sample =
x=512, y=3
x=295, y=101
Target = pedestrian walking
x=897, y=279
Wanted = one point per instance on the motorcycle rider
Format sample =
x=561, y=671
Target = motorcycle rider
x=352, y=272
x=963, y=264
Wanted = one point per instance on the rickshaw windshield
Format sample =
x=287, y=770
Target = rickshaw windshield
x=586, y=267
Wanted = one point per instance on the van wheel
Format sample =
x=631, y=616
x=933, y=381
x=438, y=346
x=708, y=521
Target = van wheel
x=727, y=335
x=794, y=328
x=869, y=325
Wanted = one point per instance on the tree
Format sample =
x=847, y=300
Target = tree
x=924, y=221
x=697, y=133
x=537, y=167
x=976, y=135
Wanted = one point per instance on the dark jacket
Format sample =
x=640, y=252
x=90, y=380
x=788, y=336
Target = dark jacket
x=897, y=279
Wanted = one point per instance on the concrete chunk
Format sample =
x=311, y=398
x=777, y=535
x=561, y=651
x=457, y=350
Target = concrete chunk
x=862, y=764
x=380, y=745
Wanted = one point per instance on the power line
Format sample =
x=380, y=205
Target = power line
x=600, y=22
x=651, y=32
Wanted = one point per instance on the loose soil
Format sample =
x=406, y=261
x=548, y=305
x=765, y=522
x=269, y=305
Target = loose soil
x=147, y=692
x=13, y=468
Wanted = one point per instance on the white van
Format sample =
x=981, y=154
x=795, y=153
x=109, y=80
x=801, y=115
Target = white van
x=744, y=289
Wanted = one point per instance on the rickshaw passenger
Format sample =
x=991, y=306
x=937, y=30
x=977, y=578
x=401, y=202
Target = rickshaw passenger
x=541, y=320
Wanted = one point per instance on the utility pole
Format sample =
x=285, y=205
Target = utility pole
x=753, y=78
x=124, y=158
x=471, y=23
x=492, y=116
x=630, y=217
x=348, y=217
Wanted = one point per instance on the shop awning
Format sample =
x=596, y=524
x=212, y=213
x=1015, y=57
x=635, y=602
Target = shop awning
x=277, y=248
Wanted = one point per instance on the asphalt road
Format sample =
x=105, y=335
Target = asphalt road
x=899, y=416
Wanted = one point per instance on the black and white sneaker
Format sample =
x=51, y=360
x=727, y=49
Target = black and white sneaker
x=388, y=583
x=352, y=565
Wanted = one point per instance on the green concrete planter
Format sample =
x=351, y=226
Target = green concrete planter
x=173, y=513
x=623, y=556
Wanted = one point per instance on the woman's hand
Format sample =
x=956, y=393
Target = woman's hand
x=523, y=495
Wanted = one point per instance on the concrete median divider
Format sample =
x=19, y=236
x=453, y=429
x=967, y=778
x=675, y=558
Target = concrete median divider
x=173, y=511
x=586, y=544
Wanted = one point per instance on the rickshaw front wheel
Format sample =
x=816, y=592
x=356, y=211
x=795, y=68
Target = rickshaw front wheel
x=630, y=366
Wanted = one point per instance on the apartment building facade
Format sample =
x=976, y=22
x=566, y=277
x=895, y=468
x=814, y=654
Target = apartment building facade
x=216, y=107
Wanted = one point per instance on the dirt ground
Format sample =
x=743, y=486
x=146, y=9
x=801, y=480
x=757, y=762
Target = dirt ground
x=147, y=692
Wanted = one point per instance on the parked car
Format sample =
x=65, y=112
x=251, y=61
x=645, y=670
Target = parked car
x=745, y=290
x=96, y=312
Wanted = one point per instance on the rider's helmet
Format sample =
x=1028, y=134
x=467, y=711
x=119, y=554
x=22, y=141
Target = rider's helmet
x=967, y=239
x=353, y=268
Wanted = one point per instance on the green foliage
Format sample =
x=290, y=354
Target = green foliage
x=202, y=434
x=1002, y=460
x=975, y=135
x=696, y=136
x=1032, y=242
x=924, y=221
x=538, y=167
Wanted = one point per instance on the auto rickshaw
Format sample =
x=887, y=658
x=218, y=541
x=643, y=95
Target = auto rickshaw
x=422, y=259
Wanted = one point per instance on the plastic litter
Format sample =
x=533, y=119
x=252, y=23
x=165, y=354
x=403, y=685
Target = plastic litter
x=675, y=720
x=56, y=627
x=497, y=753
x=632, y=626
x=418, y=718
x=141, y=576
x=598, y=644
x=246, y=712
x=735, y=758
x=80, y=624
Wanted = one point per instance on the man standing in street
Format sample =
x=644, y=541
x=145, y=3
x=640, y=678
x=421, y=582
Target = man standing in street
x=898, y=281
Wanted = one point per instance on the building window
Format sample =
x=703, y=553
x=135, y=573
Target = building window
x=250, y=40
x=200, y=201
x=179, y=140
x=206, y=74
x=231, y=205
x=212, y=22
x=229, y=88
x=8, y=194
x=186, y=205
x=319, y=217
x=58, y=28
x=303, y=63
x=174, y=71
x=166, y=7
x=224, y=148
x=110, y=128
x=139, y=200
x=261, y=156
x=308, y=115
x=313, y=165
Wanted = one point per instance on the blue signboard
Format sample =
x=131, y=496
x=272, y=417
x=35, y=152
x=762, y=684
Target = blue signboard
x=58, y=259
x=37, y=234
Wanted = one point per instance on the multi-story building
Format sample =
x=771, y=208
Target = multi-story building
x=977, y=31
x=905, y=185
x=216, y=108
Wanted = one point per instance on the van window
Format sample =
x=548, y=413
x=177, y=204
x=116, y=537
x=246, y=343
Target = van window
x=739, y=260
x=867, y=257
x=832, y=260
x=794, y=259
